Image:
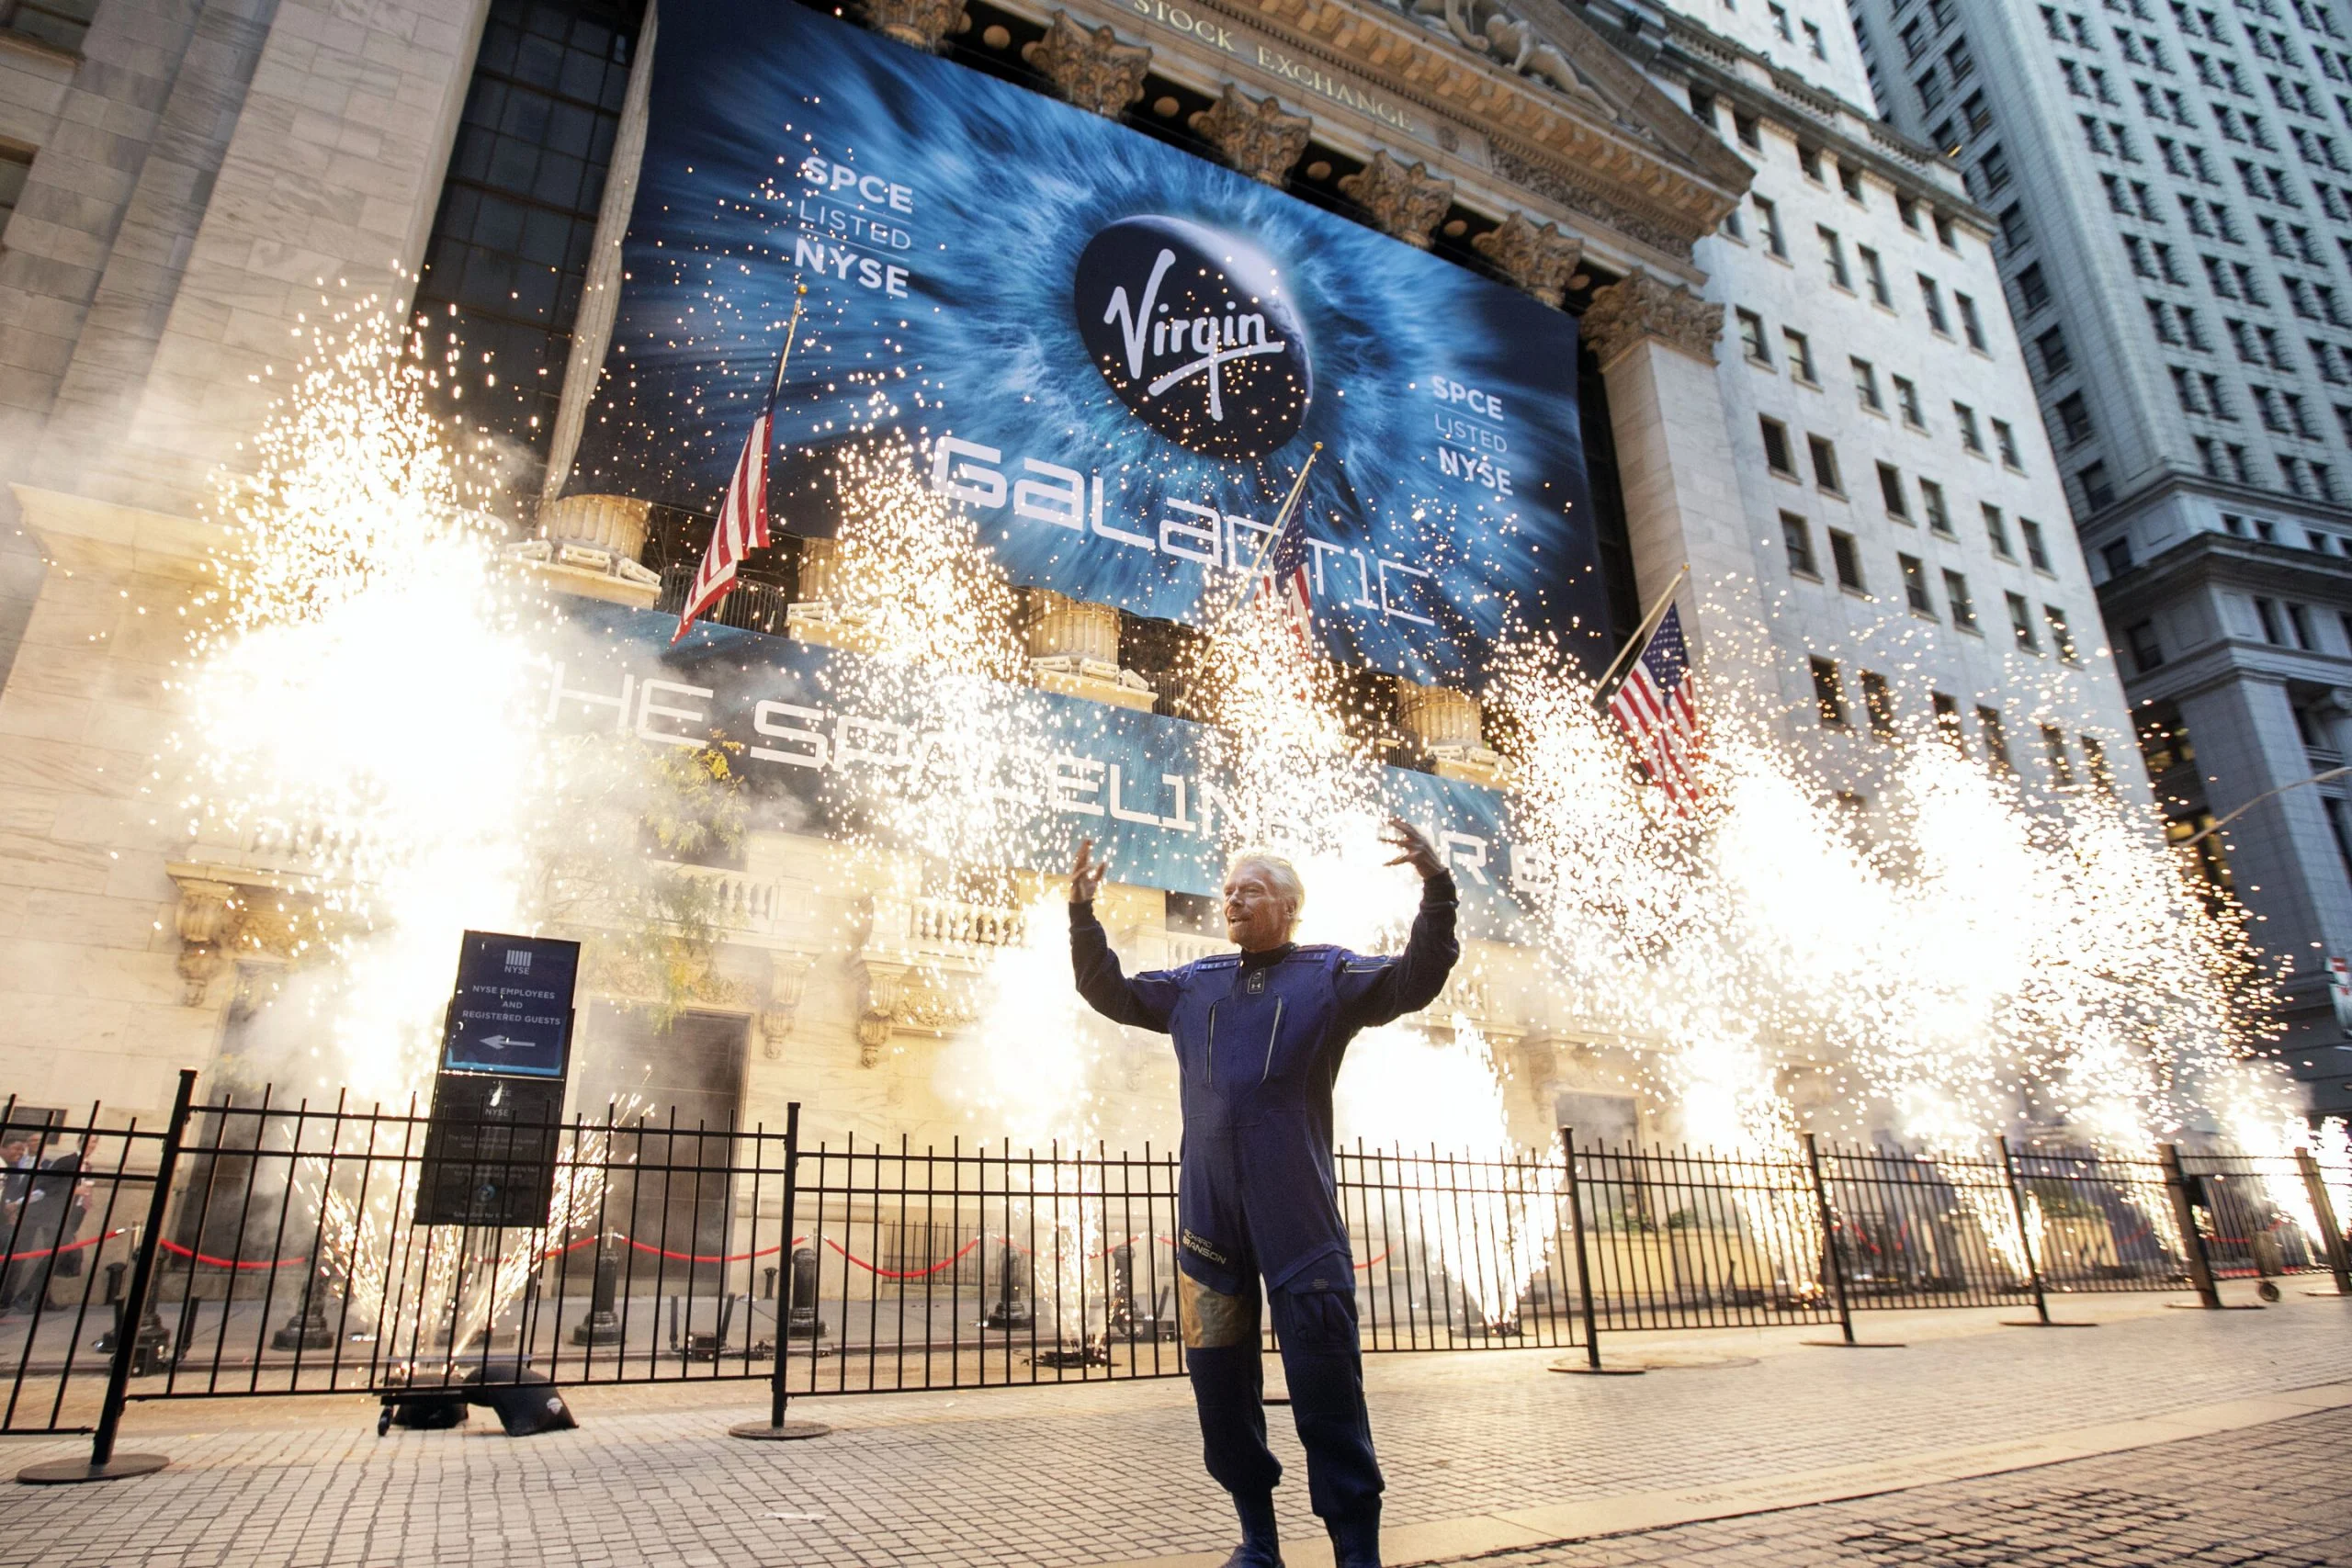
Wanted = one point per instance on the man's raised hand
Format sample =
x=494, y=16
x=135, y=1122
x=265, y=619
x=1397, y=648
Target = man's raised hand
x=1086, y=873
x=1414, y=850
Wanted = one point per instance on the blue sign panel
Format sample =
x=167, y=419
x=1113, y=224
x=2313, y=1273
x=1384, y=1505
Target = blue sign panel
x=512, y=1013
x=1116, y=355
x=809, y=740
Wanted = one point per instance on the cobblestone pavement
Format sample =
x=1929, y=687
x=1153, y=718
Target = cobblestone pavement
x=1064, y=1477
x=2272, y=1496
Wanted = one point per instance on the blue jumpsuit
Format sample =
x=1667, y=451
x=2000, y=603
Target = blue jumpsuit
x=1259, y=1038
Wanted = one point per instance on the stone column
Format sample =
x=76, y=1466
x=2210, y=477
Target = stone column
x=918, y=24
x=1090, y=65
x=589, y=544
x=1448, y=726
x=600, y=298
x=1257, y=136
x=1536, y=257
x=1655, y=343
x=1073, y=647
x=1404, y=199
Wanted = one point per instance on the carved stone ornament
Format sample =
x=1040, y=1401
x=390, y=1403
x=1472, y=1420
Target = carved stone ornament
x=206, y=921
x=1404, y=199
x=1257, y=136
x=909, y=999
x=919, y=24
x=788, y=980
x=1536, y=257
x=1090, y=66
x=1638, y=306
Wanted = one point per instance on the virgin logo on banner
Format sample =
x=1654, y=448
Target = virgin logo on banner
x=1116, y=355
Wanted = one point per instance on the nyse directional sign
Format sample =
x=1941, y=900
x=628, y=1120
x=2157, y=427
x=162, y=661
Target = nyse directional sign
x=489, y=1148
x=512, y=1012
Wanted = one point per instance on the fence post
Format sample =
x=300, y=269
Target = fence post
x=2192, y=1240
x=103, y=1463
x=1593, y=1366
x=2041, y=1318
x=2331, y=1230
x=777, y=1429
x=1834, y=1262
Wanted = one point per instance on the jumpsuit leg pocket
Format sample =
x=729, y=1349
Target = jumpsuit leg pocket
x=1317, y=1315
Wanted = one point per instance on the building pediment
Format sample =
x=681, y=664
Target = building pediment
x=1520, y=104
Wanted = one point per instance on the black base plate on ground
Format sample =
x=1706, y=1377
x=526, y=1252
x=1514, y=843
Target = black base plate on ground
x=2037, y=1323
x=791, y=1431
x=1856, y=1344
x=71, y=1472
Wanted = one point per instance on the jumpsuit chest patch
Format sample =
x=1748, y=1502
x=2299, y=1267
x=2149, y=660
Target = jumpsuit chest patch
x=1256, y=983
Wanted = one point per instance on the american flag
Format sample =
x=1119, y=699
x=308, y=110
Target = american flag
x=1287, y=578
x=742, y=524
x=744, y=512
x=1658, y=704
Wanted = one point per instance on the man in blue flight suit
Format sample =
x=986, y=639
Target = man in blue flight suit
x=1258, y=1035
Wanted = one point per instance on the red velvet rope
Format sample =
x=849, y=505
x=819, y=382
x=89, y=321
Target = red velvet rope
x=52, y=1251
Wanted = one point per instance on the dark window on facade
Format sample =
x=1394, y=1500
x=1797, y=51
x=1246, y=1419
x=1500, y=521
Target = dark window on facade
x=2098, y=489
x=1828, y=694
x=1948, y=719
x=14, y=166
x=1997, y=739
x=1963, y=607
x=2117, y=554
x=1825, y=463
x=1847, y=558
x=2054, y=753
x=2033, y=292
x=1890, y=490
x=2148, y=653
x=1878, y=701
x=1915, y=584
x=60, y=23
x=2037, y=549
x=1777, y=455
x=1796, y=534
x=509, y=252
x=2074, y=419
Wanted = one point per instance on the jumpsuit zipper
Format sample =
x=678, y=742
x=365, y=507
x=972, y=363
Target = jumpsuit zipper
x=1271, y=1035
x=1208, y=1056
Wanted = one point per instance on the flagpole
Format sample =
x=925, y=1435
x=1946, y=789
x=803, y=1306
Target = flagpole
x=691, y=609
x=1282, y=519
x=1642, y=632
x=791, y=328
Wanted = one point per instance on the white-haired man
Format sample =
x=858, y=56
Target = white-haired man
x=1258, y=1035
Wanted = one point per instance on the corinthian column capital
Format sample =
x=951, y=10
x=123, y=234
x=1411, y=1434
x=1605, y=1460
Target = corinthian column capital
x=1537, y=257
x=1090, y=65
x=1638, y=306
x=919, y=24
x=1257, y=136
x=1404, y=199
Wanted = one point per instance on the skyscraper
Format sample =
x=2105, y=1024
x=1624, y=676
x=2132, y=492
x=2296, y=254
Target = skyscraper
x=2173, y=188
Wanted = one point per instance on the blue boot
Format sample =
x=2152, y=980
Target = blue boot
x=1355, y=1540
x=1261, y=1544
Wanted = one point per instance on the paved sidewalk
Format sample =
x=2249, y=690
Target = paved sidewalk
x=1079, y=1475
x=2274, y=1497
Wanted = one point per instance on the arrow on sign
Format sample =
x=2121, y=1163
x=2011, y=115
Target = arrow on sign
x=500, y=1042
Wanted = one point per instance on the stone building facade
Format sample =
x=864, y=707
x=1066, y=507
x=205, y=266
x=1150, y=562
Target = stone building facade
x=2173, y=188
x=197, y=169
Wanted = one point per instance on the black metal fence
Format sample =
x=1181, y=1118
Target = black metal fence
x=285, y=1253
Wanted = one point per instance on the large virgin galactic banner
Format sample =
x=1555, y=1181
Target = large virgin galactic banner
x=1116, y=355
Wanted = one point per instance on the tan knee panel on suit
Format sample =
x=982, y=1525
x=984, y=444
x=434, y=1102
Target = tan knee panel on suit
x=1211, y=1319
